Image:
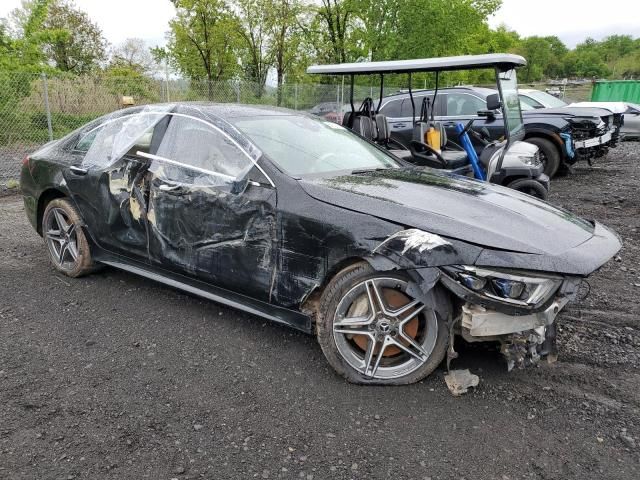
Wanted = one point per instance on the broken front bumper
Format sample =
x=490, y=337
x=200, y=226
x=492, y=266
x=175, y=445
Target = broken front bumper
x=480, y=322
x=594, y=142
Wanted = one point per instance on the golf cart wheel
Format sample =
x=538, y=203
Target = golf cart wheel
x=67, y=245
x=549, y=155
x=530, y=187
x=373, y=330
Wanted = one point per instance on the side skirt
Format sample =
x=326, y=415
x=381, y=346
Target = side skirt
x=274, y=313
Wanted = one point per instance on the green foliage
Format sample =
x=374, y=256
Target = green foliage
x=126, y=80
x=76, y=43
x=204, y=39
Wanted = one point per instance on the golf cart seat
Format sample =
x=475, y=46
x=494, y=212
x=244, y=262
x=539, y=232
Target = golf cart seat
x=364, y=126
x=384, y=138
x=453, y=159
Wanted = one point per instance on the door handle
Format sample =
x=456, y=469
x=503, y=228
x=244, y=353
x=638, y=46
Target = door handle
x=78, y=170
x=169, y=188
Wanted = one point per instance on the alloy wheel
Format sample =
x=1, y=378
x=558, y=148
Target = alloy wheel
x=62, y=241
x=382, y=331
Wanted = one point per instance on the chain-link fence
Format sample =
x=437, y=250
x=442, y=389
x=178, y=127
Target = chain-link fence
x=37, y=108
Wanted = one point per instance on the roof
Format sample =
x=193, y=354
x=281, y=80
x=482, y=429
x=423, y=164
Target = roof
x=463, y=62
x=481, y=90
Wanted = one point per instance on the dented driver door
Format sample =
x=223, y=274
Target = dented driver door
x=205, y=220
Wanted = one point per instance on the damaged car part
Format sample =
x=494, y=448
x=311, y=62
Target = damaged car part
x=301, y=221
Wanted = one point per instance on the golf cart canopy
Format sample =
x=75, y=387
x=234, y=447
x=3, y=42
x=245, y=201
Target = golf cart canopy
x=502, y=61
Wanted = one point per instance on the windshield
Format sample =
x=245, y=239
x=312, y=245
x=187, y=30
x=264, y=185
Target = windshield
x=546, y=99
x=302, y=145
x=511, y=103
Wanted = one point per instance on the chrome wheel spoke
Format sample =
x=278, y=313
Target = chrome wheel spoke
x=55, y=235
x=62, y=223
x=354, y=322
x=385, y=343
x=71, y=230
x=73, y=250
x=416, y=351
x=376, y=304
x=62, y=252
x=402, y=310
x=368, y=356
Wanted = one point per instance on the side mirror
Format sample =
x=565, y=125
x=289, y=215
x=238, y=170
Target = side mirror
x=493, y=102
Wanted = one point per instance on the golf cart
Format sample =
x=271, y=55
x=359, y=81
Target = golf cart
x=507, y=161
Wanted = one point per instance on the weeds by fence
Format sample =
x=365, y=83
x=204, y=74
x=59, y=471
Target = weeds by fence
x=36, y=108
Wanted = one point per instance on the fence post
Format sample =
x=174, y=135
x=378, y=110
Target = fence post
x=166, y=78
x=46, y=104
x=295, y=97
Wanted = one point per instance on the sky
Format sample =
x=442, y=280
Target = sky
x=571, y=20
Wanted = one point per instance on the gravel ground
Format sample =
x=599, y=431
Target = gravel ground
x=114, y=376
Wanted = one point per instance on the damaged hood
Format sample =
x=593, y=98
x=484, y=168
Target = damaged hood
x=455, y=207
x=580, y=112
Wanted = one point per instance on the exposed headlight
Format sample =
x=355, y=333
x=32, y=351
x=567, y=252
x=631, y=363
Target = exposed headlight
x=531, y=160
x=510, y=287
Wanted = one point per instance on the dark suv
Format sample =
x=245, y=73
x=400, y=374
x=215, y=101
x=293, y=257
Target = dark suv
x=563, y=137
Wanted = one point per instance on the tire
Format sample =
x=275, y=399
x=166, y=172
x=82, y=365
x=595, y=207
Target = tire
x=530, y=187
x=65, y=240
x=549, y=154
x=420, y=329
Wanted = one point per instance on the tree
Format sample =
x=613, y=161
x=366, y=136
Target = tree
x=285, y=38
x=134, y=54
x=375, y=27
x=78, y=46
x=432, y=28
x=203, y=40
x=255, y=19
x=334, y=19
x=23, y=36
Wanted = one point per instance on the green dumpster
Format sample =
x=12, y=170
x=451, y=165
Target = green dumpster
x=616, y=91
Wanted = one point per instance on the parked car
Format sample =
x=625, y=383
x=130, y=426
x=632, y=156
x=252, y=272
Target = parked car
x=562, y=137
x=531, y=99
x=332, y=111
x=303, y=222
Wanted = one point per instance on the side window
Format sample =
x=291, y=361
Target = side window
x=116, y=138
x=85, y=142
x=464, y=104
x=407, y=110
x=193, y=151
x=392, y=109
x=528, y=103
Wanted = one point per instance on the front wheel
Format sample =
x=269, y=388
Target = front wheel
x=549, y=155
x=530, y=187
x=373, y=329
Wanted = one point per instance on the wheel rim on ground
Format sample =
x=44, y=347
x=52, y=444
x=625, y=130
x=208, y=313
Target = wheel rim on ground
x=62, y=241
x=381, y=331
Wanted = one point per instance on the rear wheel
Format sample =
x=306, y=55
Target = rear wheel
x=65, y=240
x=530, y=187
x=373, y=329
x=549, y=154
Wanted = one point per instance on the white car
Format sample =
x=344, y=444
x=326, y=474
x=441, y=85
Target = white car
x=533, y=99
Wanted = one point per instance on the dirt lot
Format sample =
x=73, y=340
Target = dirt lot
x=114, y=376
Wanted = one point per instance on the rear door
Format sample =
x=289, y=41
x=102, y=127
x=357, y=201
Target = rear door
x=205, y=221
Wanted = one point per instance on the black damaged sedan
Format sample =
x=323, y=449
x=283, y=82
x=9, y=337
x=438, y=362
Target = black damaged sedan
x=301, y=221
